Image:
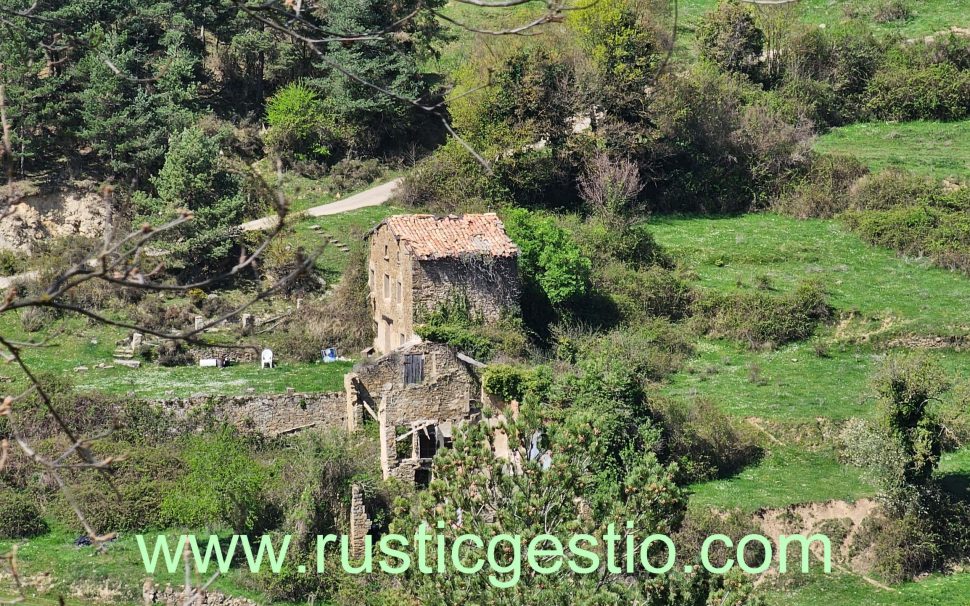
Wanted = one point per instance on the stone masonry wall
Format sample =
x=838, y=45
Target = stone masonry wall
x=272, y=414
x=396, y=304
x=491, y=284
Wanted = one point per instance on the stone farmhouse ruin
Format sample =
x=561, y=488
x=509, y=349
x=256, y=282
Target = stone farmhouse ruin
x=418, y=263
x=417, y=394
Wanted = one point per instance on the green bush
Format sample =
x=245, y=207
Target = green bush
x=889, y=189
x=889, y=11
x=918, y=230
x=760, y=319
x=19, y=516
x=548, y=256
x=730, y=37
x=936, y=92
x=649, y=351
x=817, y=98
x=603, y=241
x=142, y=476
x=225, y=484
x=11, y=263
x=504, y=381
x=299, y=126
x=354, y=173
x=639, y=294
x=705, y=442
x=824, y=191
x=449, y=181
x=903, y=547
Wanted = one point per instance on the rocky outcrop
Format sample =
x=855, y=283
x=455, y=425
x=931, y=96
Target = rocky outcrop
x=76, y=208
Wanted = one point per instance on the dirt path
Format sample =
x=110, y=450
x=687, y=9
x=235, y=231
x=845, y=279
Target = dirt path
x=374, y=196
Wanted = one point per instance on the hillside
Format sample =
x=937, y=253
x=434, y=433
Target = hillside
x=333, y=276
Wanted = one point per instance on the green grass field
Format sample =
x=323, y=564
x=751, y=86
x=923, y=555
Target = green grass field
x=936, y=149
x=892, y=295
x=840, y=589
x=349, y=228
x=113, y=577
x=928, y=16
x=785, y=476
x=793, y=383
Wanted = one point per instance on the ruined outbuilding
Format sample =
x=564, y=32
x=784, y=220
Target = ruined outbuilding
x=419, y=262
x=417, y=394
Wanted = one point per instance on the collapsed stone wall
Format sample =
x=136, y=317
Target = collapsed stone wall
x=271, y=414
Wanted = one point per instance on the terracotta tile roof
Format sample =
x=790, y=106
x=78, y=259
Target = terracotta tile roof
x=430, y=237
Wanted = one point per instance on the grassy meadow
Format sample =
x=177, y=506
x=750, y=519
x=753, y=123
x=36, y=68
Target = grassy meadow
x=940, y=150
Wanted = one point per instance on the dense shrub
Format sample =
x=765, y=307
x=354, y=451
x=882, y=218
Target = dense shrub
x=843, y=59
x=300, y=129
x=940, y=234
x=936, y=92
x=730, y=37
x=225, y=484
x=11, y=263
x=816, y=98
x=36, y=319
x=639, y=294
x=603, y=241
x=761, y=319
x=449, y=181
x=173, y=353
x=625, y=45
x=824, y=191
x=701, y=523
x=81, y=411
x=353, y=173
x=649, y=351
x=889, y=11
x=903, y=547
x=548, y=256
x=313, y=485
x=504, y=381
x=720, y=143
x=890, y=188
x=19, y=516
x=142, y=476
x=705, y=442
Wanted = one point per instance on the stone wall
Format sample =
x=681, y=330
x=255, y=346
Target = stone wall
x=446, y=395
x=271, y=414
x=175, y=596
x=446, y=391
x=394, y=308
x=491, y=284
